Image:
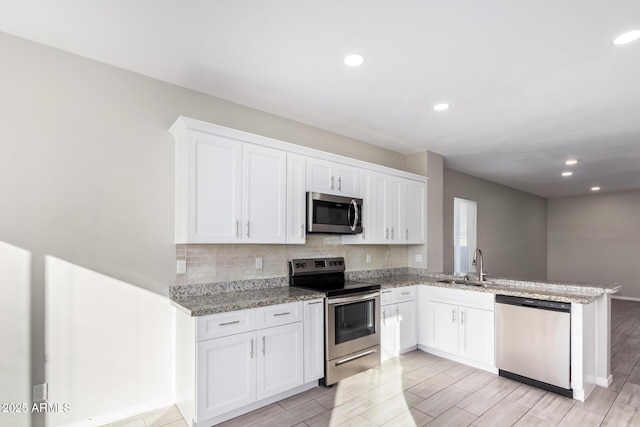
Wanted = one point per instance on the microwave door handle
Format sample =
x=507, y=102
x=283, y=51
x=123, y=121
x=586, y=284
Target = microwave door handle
x=355, y=217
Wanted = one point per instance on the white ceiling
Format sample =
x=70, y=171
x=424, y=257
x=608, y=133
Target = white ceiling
x=530, y=83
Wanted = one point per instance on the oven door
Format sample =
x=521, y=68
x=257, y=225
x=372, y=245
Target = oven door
x=353, y=323
x=333, y=214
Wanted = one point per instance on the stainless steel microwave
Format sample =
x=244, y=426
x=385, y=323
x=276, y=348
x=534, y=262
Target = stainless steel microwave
x=327, y=213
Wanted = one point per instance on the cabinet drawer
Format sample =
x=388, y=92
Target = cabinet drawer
x=279, y=315
x=386, y=296
x=224, y=324
x=407, y=293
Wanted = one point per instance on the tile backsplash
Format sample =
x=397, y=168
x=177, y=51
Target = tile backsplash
x=217, y=263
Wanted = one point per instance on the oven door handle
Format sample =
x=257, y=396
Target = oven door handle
x=357, y=356
x=353, y=298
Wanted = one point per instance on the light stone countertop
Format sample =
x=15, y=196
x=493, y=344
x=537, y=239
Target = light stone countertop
x=552, y=291
x=221, y=302
x=205, y=299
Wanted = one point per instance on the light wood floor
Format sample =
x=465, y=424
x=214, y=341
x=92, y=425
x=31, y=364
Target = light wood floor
x=418, y=389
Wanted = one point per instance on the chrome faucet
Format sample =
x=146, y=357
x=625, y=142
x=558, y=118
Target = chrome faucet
x=477, y=254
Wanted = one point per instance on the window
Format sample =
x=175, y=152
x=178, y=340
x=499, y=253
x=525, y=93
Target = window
x=464, y=235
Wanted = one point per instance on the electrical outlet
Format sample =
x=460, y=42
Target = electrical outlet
x=181, y=266
x=259, y=263
x=40, y=392
x=368, y=261
x=418, y=257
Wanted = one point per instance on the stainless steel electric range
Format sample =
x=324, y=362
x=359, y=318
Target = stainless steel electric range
x=352, y=316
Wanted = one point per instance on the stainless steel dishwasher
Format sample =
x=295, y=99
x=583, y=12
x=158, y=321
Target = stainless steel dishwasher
x=533, y=342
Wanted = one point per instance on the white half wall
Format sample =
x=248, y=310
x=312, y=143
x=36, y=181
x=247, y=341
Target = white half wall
x=109, y=344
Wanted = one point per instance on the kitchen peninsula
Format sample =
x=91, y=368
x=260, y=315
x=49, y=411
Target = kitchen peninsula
x=590, y=317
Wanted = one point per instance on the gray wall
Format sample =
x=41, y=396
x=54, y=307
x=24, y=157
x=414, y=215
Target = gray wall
x=86, y=171
x=429, y=164
x=512, y=226
x=596, y=239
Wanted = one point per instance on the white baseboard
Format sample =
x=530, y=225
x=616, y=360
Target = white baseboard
x=458, y=359
x=604, y=382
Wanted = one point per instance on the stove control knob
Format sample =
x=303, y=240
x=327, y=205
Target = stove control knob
x=304, y=265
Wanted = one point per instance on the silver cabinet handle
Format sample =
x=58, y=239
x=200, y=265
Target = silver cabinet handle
x=384, y=317
x=229, y=323
x=282, y=314
x=405, y=293
x=332, y=182
x=316, y=302
x=340, y=184
x=263, y=345
x=406, y=234
x=251, y=352
x=462, y=317
x=237, y=228
x=364, y=233
x=397, y=315
x=453, y=315
x=386, y=233
x=248, y=228
x=302, y=230
x=392, y=234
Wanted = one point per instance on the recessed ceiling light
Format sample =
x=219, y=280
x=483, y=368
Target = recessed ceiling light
x=441, y=107
x=567, y=173
x=627, y=37
x=354, y=60
x=571, y=162
x=595, y=188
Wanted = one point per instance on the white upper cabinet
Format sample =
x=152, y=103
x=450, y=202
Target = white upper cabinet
x=393, y=210
x=236, y=187
x=229, y=191
x=415, y=196
x=332, y=178
x=264, y=185
x=208, y=208
x=296, y=201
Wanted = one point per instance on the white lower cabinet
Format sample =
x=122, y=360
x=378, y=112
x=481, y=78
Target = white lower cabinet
x=313, y=340
x=458, y=323
x=279, y=359
x=398, y=323
x=242, y=360
x=226, y=377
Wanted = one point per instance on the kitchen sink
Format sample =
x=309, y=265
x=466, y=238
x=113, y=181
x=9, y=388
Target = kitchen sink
x=463, y=282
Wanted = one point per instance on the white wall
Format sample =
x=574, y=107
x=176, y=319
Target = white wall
x=596, y=239
x=511, y=226
x=86, y=168
x=15, y=356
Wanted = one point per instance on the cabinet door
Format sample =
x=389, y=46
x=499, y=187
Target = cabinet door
x=280, y=359
x=477, y=335
x=394, y=210
x=370, y=212
x=415, y=203
x=226, y=377
x=332, y=178
x=264, y=186
x=313, y=340
x=406, y=317
x=320, y=176
x=347, y=180
x=296, y=200
x=389, y=334
x=213, y=189
x=445, y=327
